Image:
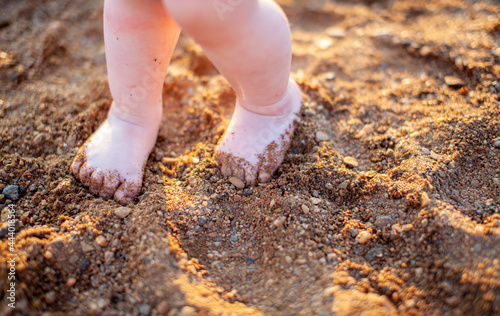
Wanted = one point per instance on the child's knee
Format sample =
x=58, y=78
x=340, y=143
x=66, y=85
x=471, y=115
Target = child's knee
x=131, y=15
x=194, y=14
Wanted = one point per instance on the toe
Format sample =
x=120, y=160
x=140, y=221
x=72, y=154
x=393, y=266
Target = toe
x=226, y=171
x=110, y=183
x=264, y=176
x=78, y=162
x=85, y=174
x=96, y=181
x=223, y=161
x=128, y=190
x=239, y=172
x=251, y=176
x=218, y=158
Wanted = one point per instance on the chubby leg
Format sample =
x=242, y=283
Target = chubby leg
x=140, y=37
x=249, y=41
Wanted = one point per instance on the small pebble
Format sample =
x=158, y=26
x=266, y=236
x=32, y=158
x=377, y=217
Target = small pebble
x=164, y=308
x=279, y=221
x=446, y=287
x=407, y=227
x=187, y=311
x=452, y=301
x=48, y=255
x=344, y=184
x=70, y=282
x=354, y=232
x=40, y=139
x=5, y=214
x=434, y=155
x=426, y=151
x=271, y=204
x=202, y=220
x=109, y=257
x=84, y=264
x=474, y=183
x=425, y=200
x=425, y=51
x=365, y=131
x=71, y=141
x=374, y=254
x=315, y=201
x=237, y=198
x=459, y=63
x=321, y=136
x=122, y=212
x=329, y=186
x=305, y=209
x=324, y=43
x=237, y=182
x=329, y=291
x=496, y=142
x=410, y=303
x=363, y=237
x=50, y=297
x=168, y=161
x=419, y=272
x=454, y=81
x=191, y=269
x=86, y=247
x=336, y=32
x=384, y=221
x=11, y=192
x=234, y=238
x=330, y=75
x=144, y=309
x=350, y=162
x=301, y=261
x=101, y=241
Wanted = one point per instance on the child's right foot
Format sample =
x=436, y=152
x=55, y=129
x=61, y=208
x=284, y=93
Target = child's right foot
x=111, y=163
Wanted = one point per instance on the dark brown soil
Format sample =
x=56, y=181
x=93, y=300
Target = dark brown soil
x=396, y=212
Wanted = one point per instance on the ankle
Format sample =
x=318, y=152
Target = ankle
x=283, y=107
x=143, y=118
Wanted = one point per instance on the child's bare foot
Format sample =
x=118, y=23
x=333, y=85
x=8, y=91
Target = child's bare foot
x=111, y=162
x=254, y=145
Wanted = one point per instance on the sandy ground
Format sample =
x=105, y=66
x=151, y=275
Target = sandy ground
x=387, y=202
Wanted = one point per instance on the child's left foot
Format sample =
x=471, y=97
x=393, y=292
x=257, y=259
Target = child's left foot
x=254, y=145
